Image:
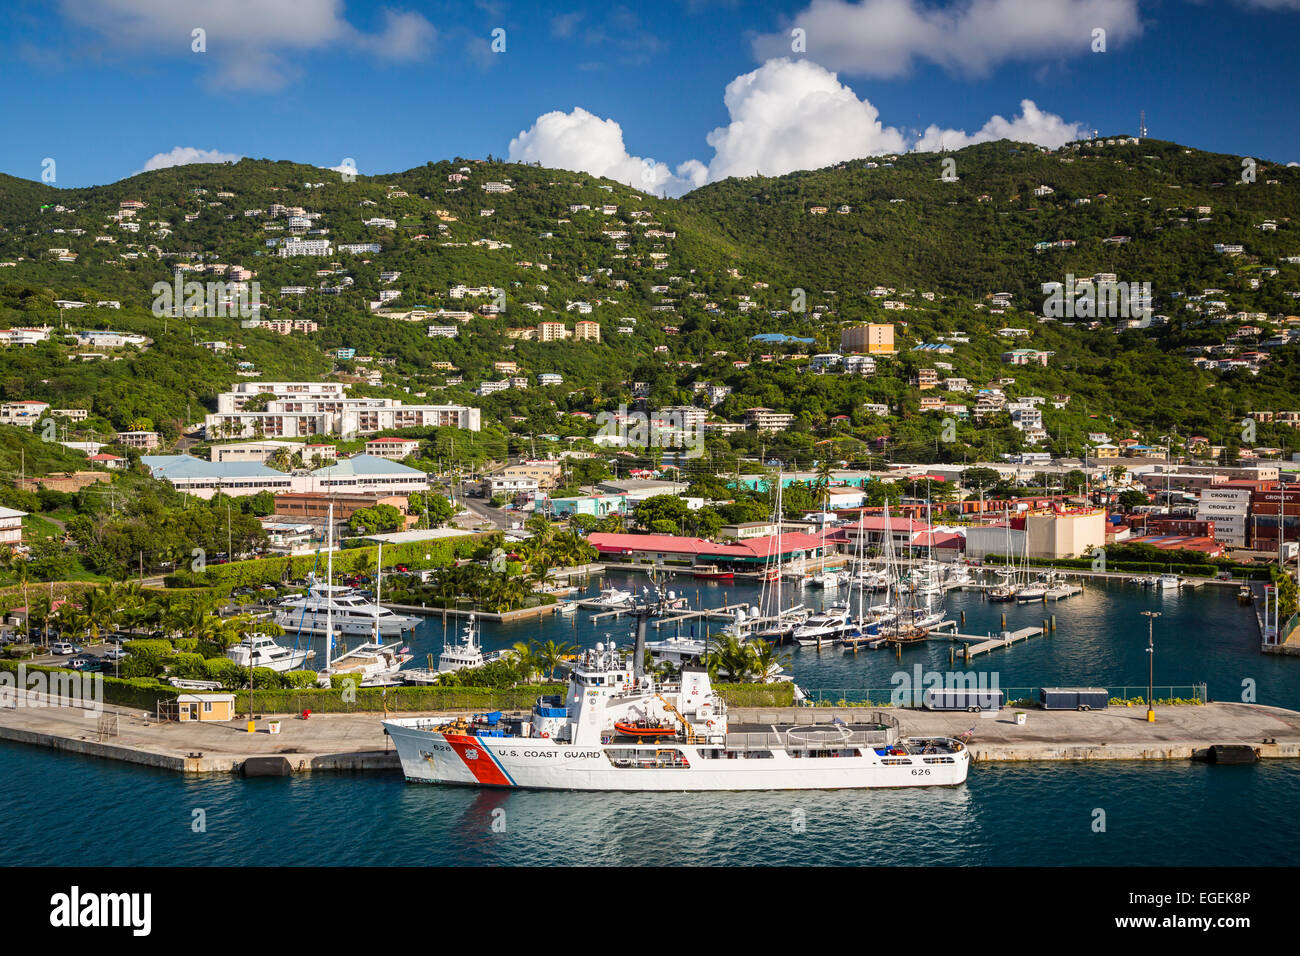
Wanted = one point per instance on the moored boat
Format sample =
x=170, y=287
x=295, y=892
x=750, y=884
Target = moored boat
x=685, y=742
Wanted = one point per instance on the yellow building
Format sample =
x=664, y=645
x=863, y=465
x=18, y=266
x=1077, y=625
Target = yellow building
x=875, y=339
x=205, y=707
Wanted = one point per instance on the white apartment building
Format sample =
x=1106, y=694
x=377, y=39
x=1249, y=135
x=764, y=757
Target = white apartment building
x=304, y=247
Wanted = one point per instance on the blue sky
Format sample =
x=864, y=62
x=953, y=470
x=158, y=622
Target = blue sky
x=633, y=91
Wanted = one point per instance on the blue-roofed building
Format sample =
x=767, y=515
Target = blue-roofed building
x=205, y=478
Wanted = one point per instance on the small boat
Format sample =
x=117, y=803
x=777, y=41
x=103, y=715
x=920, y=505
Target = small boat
x=1244, y=594
x=644, y=729
x=711, y=572
x=614, y=598
x=567, y=607
x=1168, y=582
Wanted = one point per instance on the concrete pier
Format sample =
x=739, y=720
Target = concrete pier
x=356, y=742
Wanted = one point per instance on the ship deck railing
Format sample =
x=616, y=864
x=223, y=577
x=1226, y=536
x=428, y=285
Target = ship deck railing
x=808, y=738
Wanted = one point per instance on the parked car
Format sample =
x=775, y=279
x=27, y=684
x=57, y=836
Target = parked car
x=85, y=662
x=60, y=648
x=116, y=654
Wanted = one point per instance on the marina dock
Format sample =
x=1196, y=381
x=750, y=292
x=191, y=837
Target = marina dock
x=976, y=644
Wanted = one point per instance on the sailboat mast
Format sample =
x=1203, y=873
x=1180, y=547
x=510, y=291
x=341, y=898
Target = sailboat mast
x=780, y=518
x=329, y=582
x=379, y=586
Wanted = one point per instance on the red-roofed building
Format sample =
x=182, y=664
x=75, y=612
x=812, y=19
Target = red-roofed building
x=656, y=548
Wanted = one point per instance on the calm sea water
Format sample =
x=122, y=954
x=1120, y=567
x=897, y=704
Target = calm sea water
x=1036, y=814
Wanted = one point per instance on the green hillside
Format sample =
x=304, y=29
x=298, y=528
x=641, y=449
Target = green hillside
x=727, y=258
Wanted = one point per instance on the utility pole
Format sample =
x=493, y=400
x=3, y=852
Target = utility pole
x=1151, y=656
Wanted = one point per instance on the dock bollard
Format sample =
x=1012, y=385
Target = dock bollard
x=1004, y=620
x=1044, y=627
x=1053, y=623
x=963, y=618
x=952, y=653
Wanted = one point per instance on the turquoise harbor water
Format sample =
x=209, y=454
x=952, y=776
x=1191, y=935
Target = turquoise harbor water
x=1040, y=814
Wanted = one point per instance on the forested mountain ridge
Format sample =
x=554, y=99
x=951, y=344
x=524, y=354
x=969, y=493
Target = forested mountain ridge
x=700, y=276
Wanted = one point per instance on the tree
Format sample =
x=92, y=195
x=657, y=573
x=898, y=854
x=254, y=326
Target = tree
x=980, y=479
x=1132, y=498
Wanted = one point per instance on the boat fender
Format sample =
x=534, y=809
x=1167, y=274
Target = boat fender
x=711, y=723
x=545, y=734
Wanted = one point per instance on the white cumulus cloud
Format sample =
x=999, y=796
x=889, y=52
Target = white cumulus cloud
x=1031, y=126
x=584, y=142
x=784, y=116
x=887, y=37
x=793, y=114
x=184, y=155
x=247, y=44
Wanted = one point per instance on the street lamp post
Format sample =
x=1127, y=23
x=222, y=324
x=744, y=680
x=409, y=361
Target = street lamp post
x=1151, y=656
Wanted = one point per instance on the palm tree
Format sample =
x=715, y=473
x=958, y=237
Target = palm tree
x=822, y=486
x=764, y=658
x=526, y=660
x=100, y=611
x=552, y=655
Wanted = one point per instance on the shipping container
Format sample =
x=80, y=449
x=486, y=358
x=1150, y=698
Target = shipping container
x=972, y=699
x=1074, y=698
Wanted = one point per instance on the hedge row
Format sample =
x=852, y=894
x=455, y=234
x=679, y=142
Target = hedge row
x=142, y=693
x=440, y=552
x=397, y=699
x=415, y=699
x=757, y=695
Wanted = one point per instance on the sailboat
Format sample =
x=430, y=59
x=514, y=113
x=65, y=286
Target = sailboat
x=1008, y=586
x=374, y=663
x=786, y=620
x=906, y=626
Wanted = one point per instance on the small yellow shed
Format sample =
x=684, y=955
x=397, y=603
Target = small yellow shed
x=205, y=706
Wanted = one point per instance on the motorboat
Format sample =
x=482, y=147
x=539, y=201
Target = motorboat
x=824, y=627
x=353, y=615
x=260, y=650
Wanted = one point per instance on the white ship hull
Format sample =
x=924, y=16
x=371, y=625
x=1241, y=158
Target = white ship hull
x=312, y=621
x=542, y=764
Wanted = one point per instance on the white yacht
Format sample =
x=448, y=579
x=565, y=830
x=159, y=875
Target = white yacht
x=262, y=651
x=374, y=665
x=824, y=627
x=675, y=650
x=1168, y=582
x=466, y=653
x=353, y=615
x=612, y=598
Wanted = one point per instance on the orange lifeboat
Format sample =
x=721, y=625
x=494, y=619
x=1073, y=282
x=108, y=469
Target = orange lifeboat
x=646, y=731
